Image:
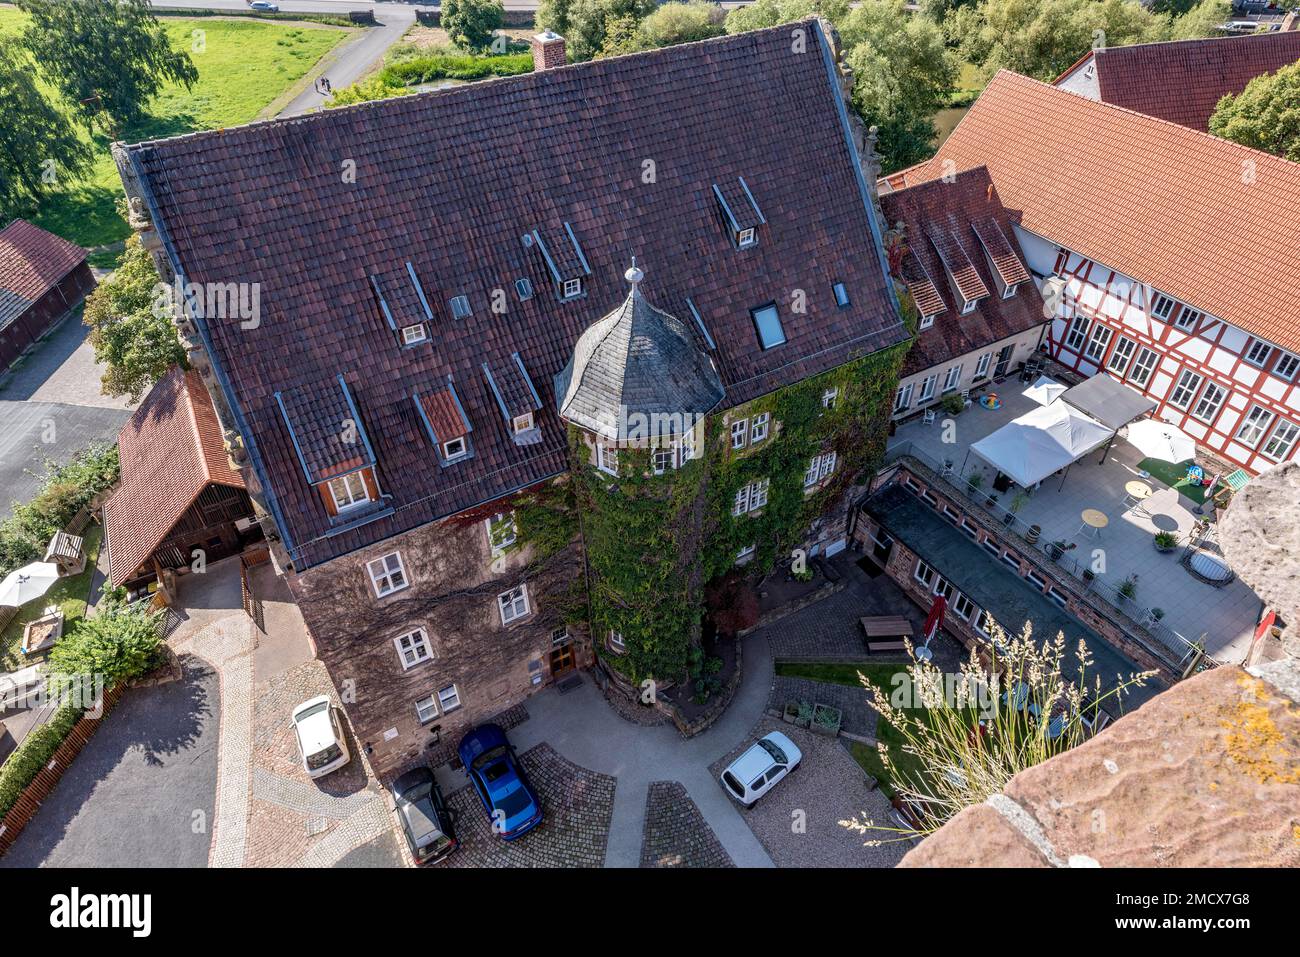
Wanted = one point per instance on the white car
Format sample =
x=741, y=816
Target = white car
x=264, y=5
x=756, y=771
x=320, y=739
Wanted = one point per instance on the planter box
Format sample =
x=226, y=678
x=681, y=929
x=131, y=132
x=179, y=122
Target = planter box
x=827, y=719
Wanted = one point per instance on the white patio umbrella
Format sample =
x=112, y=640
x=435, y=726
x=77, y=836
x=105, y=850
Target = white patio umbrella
x=1045, y=390
x=1160, y=440
x=28, y=582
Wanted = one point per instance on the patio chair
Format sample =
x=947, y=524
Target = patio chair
x=929, y=416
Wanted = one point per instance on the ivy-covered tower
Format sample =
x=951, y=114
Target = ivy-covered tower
x=635, y=394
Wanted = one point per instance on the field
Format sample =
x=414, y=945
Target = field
x=244, y=66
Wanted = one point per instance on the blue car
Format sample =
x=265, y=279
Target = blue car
x=500, y=782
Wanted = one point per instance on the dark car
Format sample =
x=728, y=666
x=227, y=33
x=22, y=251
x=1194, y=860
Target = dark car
x=500, y=782
x=427, y=822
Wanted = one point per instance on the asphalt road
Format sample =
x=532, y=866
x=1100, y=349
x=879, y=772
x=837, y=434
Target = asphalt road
x=142, y=792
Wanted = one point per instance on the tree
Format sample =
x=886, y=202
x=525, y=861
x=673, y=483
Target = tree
x=554, y=15
x=119, y=642
x=590, y=22
x=471, y=23
x=39, y=148
x=682, y=23
x=903, y=73
x=1265, y=115
x=1041, y=38
x=771, y=13
x=131, y=335
x=1201, y=20
x=104, y=55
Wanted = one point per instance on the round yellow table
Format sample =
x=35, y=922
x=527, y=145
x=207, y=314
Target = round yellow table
x=1094, y=521
x=1135, y=494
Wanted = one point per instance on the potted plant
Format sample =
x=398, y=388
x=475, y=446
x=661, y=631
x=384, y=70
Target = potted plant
x=1128, y=588
x=791, y=712
x=826, y=719
x=973, y=483
x=952, y=403
x=1019, y=501
x=1058, y=548
x=1165, y=541
x=804, y=718
x=991, y=501
x=1088, y=576
x=1157, y=614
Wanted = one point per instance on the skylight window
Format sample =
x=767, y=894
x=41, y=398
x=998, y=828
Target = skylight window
x=768, y=324
x=460, y=307
x=841, y=295
x=524, y=289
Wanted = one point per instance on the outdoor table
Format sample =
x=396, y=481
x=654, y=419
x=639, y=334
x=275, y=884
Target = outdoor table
x=1094, y=521
x=887, y=627
x=1135, y=495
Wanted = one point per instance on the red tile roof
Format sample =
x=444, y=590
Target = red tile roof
x=1209, y=222
x=171, y=449
x=959, y=205
x=944, y=233
x=32, y=262
x=452, y=182
x=1182, y=81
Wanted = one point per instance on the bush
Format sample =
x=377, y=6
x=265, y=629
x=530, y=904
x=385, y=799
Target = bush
x=442, y=66
x=33, y=754
x=67, y=489
x=682, y=23
x=121, y=642
x=363, y=91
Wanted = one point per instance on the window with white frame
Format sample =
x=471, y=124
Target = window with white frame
x=984, y=624
x=952, y=379
x=924, y=574
x=1282, y=441
x=513, y=604
x=685, y=447
x=348, y=491
x=1257, y=353
x=968, y=306
x=523, y=423
x=992, y=547
x=739, y=433
x=616, y=640
x=607, y=459
x=1186, y=388
x=758, y=427
x=449, y=698
x=572, y=288
x=413, y=648
x=1011, y=560
x=455, y=449
x=426, y=709
x=970, y=528
x=661, y=460
x=944, y=587
x=1254, y=426
x=1035, y=579
x=413, y=334
x=746, y=238
x=502, y=531
x=820, y=467
x=903, y=398
x=1187, y=318
x=1145, y=365
x=1057, y=596
x=745, y=554
x=1098, y=342
x=982, y=366
x=387, y=574
x=927, y=321
x=829, y=398
x=963, y=607
x=1162, y=308
x=1078, y=334
x=927, y=388
x=1286, y=366
x=1120, y=358
x=1211, y=400
x=751, y=497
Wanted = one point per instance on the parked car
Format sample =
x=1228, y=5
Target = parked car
x=756, y=771
x=500, y=782
x=264, y=5
x=320, y=738
x=427, y=822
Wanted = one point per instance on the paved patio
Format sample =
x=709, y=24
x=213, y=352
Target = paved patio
x=1225, y=617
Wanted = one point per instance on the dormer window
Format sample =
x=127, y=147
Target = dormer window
x=841, y=295
x=1187, y=318
x=740, y=213
x=460, y=307
x=1163, y=307
x=348, y=492
x=454, y=449
x=522, y=423
x=413, y=334
x=926, y=322
x=968, y=307
x=445, y=423
x=746, y=238
x=572, y=289
x=1258, y=352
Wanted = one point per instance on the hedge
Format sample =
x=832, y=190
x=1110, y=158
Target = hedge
x=34, y=753
x=453, y=66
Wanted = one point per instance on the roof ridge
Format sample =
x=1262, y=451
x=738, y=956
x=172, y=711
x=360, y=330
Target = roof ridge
x=1147, y=117
x=1165, y=43
x=462, y=90
x=192, y=417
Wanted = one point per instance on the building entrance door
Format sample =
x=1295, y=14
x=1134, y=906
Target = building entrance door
x=562, y=659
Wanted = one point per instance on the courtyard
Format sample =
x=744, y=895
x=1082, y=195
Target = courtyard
x=1222, y=618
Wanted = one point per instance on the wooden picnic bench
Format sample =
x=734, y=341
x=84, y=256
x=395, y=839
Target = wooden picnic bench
x=886, y=632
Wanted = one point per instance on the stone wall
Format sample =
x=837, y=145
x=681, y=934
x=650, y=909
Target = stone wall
x=454, y=584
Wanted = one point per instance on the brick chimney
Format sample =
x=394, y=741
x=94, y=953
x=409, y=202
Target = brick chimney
x=548, y=51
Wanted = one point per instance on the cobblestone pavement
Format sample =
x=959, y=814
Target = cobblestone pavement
x=798, y=820
x=676, y=834
x=859, y=717
x=577, y=805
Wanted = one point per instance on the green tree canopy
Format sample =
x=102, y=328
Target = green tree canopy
x=1265, y=115
x=131, y=335
x=586, y=25
x=120, y=642
x=1200, y=20
x=109, y=55
x=39, y=148
x=682, y=23
x=470, y=24
x=771, y=13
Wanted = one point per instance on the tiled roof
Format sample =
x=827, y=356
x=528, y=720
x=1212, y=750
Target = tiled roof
x=171, y=449
x=32, y=262
x=512, y=387
x=959, y=205
x=444, y=415
x=625, y=150
x=637, y=361
x=327, y=433
x=1209, y=222
x=1182, y=81
x=945, y=234
x=1005, y=259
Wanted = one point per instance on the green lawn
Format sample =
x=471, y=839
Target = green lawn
x=1174, y=475
x=69, y=594
x=244, y=66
